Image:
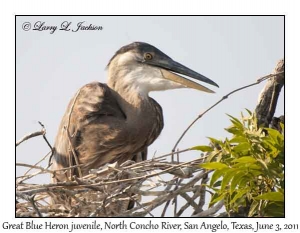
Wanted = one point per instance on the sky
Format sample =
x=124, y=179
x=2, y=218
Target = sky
x=232, y=51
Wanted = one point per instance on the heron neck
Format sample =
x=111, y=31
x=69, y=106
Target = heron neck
x=133, y=103
x=142, y=112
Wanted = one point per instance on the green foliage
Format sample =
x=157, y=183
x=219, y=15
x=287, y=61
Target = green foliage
x=248, y=168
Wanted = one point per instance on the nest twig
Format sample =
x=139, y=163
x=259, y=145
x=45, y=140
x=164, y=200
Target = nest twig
x=104, y=191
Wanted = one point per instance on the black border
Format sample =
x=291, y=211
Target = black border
x=133, y=16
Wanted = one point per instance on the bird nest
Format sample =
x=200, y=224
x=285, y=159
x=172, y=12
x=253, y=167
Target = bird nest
x=109, y=190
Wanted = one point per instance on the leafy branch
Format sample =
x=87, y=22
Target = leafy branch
x=248, y=169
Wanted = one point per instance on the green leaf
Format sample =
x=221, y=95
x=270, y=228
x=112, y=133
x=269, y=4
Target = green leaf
x=234, y=130
x=280, y=157
x=240, y=193
x=242, y=147
x=245, y=179
x=255, y=172
x=227, y=177
x=216, y=175
x=254, y=166
x=249, y=112
x=238, y=139
x=282, y=126
x=271, y=147
x=271, y=196
x=246, y=165
x=236, y=122
x=202, y=148
x=245, y=159
x=274, y=209
x=236, y=180
x=214, y=166
x=273, y=133
x=263, y=164
x=217, y=184
x=217, y=197
x=212, y=155
x=282, y=184
x=253, y=208
x=213, y=140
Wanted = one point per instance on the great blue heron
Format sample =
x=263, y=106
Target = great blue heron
x=117, y=121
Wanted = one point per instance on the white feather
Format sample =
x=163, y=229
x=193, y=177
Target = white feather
x=144, y=78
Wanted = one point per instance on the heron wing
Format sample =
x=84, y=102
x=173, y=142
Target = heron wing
x=91, y=107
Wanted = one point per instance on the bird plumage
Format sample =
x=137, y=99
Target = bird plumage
x=102, y=131
x=117, y=121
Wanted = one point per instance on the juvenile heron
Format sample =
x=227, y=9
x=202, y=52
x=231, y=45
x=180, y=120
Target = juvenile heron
x=117, y=121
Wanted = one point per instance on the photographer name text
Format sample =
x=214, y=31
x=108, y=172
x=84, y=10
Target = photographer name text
x=67, y=26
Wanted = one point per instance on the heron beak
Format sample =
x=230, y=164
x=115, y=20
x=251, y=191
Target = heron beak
x=171, y=70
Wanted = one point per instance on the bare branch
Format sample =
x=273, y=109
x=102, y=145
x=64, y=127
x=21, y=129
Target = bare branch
x=31, y=135
x=221, y=100
x=69, y=138
x=211, y=211
x=42, y=132
x=268, y=98
x=31, y=199
x=44, y=135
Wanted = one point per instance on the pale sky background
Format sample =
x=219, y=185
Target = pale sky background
x=232, y=51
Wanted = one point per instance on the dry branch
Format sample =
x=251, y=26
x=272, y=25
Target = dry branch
x=96, y=193
x=71, y=148
x=268, y=98
x=210, y=211
x=90, y=195
x=226, y=97
x=42, y=132
x=31, y=135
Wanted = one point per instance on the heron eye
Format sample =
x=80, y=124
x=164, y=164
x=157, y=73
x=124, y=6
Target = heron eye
x=148, y=56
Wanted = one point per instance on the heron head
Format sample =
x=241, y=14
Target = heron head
x=146, y=68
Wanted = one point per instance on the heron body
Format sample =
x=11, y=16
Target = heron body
x=106, y=128
x=117, y=121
